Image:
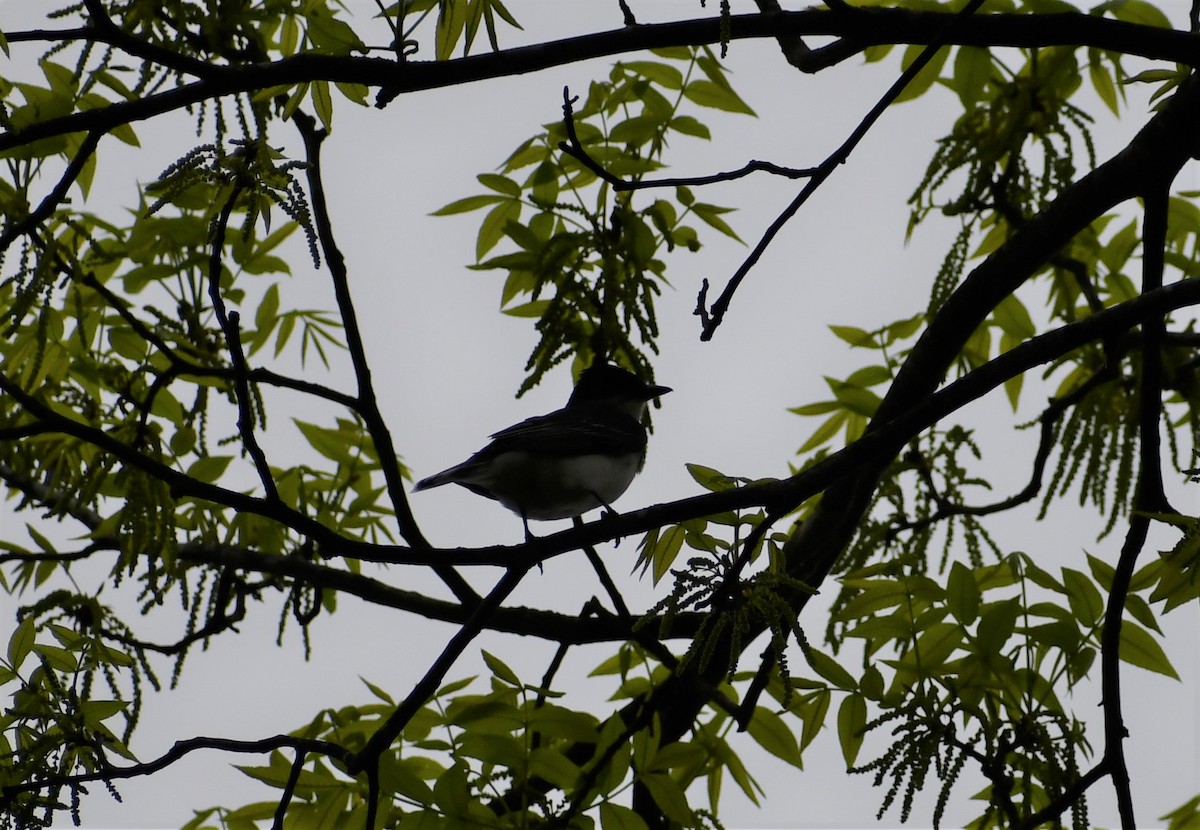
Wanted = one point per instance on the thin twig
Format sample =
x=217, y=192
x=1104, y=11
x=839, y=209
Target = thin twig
x=108, y=772
x=605, y=579
x=711, y=319
x=627, y=13
x=230, y=323
x=367, y=402
x=1048, y=420
x=391, y=728
x=574, y=148
x=54, y=198
x=289, y=789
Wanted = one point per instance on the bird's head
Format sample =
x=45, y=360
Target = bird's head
x=603, y=384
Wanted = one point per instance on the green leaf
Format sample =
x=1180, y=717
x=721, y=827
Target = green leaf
x=1153, y=76
x=668, y=795
x=635, y=131
x=869, y=376
x=772, y=734
x=533, y=310
x=501, y=184
x=814, y=710
x=852, y=722
x=972, y=69
x=21, y=642
x=468, y=204
x=962, y=594
x=402, y=775
x=936, y=644
x=1106, y=89
x=711, y=216
x=491, y=230
x=209, y=468
x=675, y=53
x=1140, y=12
x=855, y=398
x=662, y=74
x=708, y=94
x=996, y=625
x=559, y=722
x=1139, y=648
x=1086, y=603
x=617, y=817
x=267, y=314
x=329, y=34
x=710, y=479
x=924, y=79
x=501, y=670
x=819, y=408
x=825, y=432
x=667, y=549
x=128, y=344
x=555, y=767
x=831, y=670
x=690, y=126
x=323, y=103
x=859, y=338
x=1012, y=317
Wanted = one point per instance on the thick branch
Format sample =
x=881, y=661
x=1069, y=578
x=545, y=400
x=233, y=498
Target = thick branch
x=1148, y=497
x=879, y=442
x=865, y=27
x=530, y=622
x=1163, y=146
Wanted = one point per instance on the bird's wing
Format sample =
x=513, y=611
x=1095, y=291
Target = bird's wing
x=574, y=431
x=580, y=430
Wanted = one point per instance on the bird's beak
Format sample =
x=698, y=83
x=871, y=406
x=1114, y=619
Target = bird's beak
x=657, y=391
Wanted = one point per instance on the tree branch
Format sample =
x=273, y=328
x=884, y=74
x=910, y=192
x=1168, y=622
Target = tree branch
x=43, y=494
x=1167, y=141
x=54, y=198
x=367, y=404
x=230, y=323
x=382, y=738
x=182, y=366
x=711, y=318
x=865, y=26
x=1148, y=498
x=108, y=772
x=574, y=148
x=1048, y=419
x=882, y=439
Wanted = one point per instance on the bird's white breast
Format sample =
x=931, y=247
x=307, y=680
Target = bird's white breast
x=560, y=488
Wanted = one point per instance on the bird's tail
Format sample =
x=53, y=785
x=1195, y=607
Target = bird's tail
x=438, y=479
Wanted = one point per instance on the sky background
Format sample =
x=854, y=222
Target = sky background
x=447, y=365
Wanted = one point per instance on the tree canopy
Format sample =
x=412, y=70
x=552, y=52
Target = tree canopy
x=180, y=426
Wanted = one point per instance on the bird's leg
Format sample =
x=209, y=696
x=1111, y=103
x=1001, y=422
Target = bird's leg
x=608, y=508
x=606, y=513
x=529, y=537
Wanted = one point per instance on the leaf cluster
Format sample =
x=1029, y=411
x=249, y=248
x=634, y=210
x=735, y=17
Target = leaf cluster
x=587, y=260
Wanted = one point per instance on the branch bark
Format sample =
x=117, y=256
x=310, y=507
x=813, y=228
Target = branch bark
x=863, y=26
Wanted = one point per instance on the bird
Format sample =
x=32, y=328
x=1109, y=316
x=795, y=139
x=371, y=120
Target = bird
x=562, y=465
